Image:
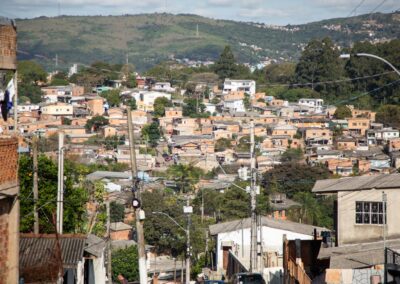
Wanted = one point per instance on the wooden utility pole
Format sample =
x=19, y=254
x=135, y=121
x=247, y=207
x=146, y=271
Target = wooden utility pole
x=139, y=224
x=109, y=268
x=35, y=184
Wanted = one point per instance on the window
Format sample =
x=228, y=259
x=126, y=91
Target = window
x=369, y=212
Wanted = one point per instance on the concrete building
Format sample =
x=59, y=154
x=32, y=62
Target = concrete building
x=247, y=86
x=145, y=99
x=233, y=239
x=9, y=211
x=163, y=87
x=315, y=104
x=360, y=209
x=57, y=109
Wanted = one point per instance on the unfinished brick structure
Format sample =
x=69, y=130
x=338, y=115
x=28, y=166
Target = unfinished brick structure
x=9, y=210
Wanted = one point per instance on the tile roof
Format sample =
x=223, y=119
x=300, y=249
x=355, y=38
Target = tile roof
x=380, y=181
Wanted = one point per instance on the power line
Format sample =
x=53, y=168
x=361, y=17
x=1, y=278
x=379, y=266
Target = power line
x=327, y=82
x=355, y=8
x=367, y=93
x=377, y=7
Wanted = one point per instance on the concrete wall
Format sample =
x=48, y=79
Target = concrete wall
x=9, y=211
x=272, y=240
x=349, y=232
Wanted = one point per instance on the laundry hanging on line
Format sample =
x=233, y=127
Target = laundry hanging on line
x=6, y=99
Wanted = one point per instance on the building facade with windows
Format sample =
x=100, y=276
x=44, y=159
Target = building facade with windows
x=247, y=86
x=360, y=210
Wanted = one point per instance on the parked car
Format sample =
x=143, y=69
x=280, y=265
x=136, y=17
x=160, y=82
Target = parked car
x=248, y=278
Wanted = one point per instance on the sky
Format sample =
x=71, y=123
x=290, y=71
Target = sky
x=275, y=12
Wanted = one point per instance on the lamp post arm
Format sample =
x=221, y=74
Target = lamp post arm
x=172, y=219
x=381, y=59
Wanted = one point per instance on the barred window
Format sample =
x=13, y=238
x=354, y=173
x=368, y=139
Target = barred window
x=368, y=212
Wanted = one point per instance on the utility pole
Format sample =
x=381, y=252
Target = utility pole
x=139, y=225
x=384, y=200
x=60, y=191
x=188, y=251
x=253, y=249
x=109, y=269
x=35, y=184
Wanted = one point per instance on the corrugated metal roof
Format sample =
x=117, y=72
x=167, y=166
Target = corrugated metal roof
x=381, y=181
x=266, y=221
x=358, y=255
x=42, y=249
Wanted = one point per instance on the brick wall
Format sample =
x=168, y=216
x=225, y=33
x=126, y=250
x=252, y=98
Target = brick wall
x=4, y=235
x=9, y=210
x=8, y=47
x=8, y=160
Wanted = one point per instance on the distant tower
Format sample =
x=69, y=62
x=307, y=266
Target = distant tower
x=56, y=62
x=197, y=30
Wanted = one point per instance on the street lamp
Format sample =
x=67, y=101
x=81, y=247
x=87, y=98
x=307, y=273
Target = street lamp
x=347, y=56
x=187, y=210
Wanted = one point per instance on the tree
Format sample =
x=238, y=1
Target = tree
x=222, y=144
x=125, y=262
x=59, y=79
x=292, y=178
x=320, y=62
x=389, y=115
x=246, y=101
x=159, y=230
x=112, y=97
x=151, y=133
x=117, y=212
x=280, y=73
x=342, y=112
x=194, y=108
x=75, y=196
x=131, y=102
x=31, y=72
x=186, y=176
x=30, y=91
x=159, y=106
x=96, y=122
x=292, y=155
x=226, y=67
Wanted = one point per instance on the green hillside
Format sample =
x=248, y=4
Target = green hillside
x=151, y=38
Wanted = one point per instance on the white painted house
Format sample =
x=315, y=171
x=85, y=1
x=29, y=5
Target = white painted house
x=145, y=99
x=315, y=104
x=235, y=237
x=247, y=86
x=163, y=87
x=234, y=105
